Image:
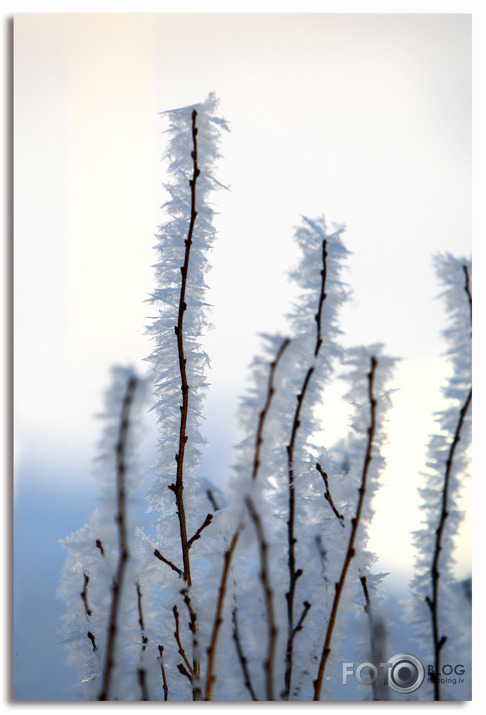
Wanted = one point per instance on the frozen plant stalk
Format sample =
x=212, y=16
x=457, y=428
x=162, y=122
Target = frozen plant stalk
x=177, y=359
x=447, y=464
x=99, y=578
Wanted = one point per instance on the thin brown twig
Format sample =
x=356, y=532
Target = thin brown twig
x=99, y=546
x=92, y=639
x=266, y=407
x=212, y=499
x=433, y=602
x=305, y=611
x=122, y=537
x=228, y=554
x=164, y=679
x=294, y=573
x=193, y=627
x=328, y=493
x=184, y=671
x=169, y=563
x=182, y=652
x=178, y=487
x=268, y=593
x=141, y=670
x=140, y=618
x=218, y=618
x=241, y=656
x=143, y=684
x=354, y=528
x=467, y=288
x=197, y=535
x=84, y=595
x=322, y=297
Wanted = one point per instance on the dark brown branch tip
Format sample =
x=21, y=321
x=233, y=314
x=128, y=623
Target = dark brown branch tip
x=306, y=609
x=84, y=595
x=327, y=494
x=169, y=563
x=92, y=639
x=197, y=535
x=183, y=671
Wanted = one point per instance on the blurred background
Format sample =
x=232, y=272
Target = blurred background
x=363, y=118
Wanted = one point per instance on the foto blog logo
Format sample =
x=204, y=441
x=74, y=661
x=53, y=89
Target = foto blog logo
x=403, y=673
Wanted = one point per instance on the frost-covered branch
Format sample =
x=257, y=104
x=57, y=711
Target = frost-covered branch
x=122, y=536
x=141, y=670
x=158, y=555
x=179, y=365
x=228, y=555
x=268, y=593
x=241, y=656
x=218, y=618
x=322, y=298
x=178, y=486
x=327, y=493
x=305, y=610
x=193, y=627
x=294, y=573
x=266, y=407
x=162, y=668
x=467, y=287
x=433, y=602
x=197, y=535
x=103, y=553
x=447, y=463
x=84, y=595
x=355, y=523
x=140, y=618
x=182, y=652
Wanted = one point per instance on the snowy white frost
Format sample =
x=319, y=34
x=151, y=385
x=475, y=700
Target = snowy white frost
x=249, y=596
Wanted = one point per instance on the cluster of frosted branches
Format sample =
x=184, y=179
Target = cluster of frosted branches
x=247, y=597
x=435, y=611
x=278, y=497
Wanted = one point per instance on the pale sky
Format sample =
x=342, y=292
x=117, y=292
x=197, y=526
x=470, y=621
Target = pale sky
x=363, y=118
